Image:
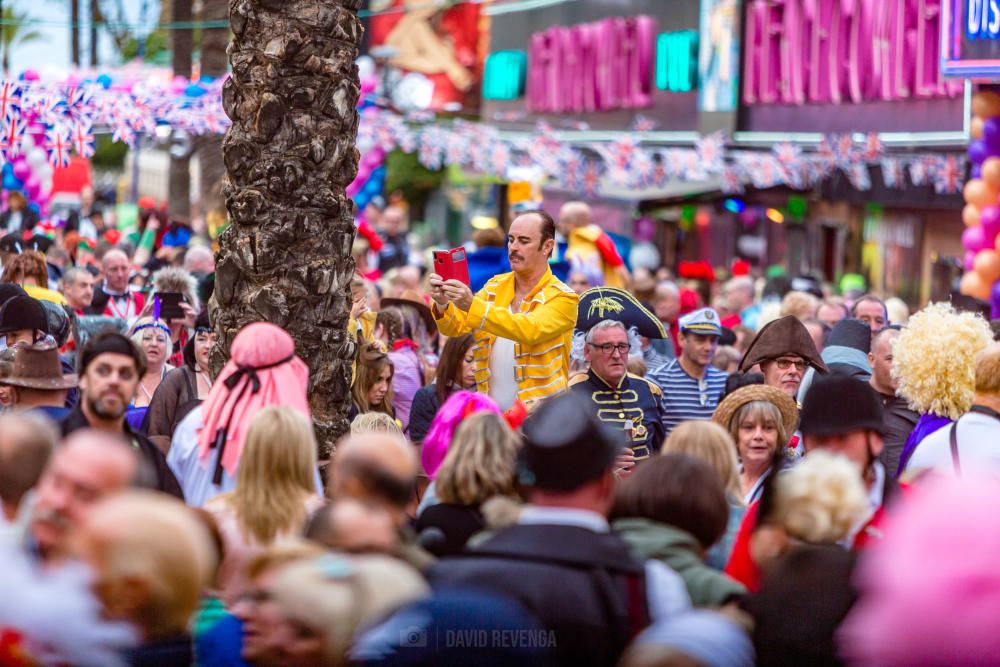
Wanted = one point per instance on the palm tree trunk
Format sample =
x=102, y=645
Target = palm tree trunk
x=179, y=187
x=214, y=63
x=74, y=31
x=286, y=256
x=95, y=17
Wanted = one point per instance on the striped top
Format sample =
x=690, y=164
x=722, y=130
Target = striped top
x=684, y=397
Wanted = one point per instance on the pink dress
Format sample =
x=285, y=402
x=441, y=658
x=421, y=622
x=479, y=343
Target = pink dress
x=240, y=548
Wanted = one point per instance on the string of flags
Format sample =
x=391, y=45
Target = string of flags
x=626, y=163
x=64, y=119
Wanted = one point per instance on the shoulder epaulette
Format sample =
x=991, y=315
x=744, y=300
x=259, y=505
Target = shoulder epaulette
x=653, y=387
x=578, y=378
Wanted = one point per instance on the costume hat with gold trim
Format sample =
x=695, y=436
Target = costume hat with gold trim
x=613, y=303
x=702, y=321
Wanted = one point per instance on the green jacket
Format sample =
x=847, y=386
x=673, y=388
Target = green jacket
x=679, y=550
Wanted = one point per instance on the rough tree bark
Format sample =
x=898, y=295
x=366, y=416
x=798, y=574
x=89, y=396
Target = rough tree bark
x=214, y=63
x=74, y=32
x=95, y=17
x=286, y=256
x=179, y=187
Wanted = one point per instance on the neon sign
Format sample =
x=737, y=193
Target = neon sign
x=503, y=77
x=983, y=18
x=843, y=51
x=970, y=38
x=592, y=66
x=677, y=61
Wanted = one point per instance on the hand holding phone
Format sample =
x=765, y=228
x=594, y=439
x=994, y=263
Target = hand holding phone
x=452, y=265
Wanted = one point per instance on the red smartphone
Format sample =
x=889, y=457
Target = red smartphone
x=452, y=265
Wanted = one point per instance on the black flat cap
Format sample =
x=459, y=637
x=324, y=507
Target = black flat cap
x=851, y=333
x=566, y=446
x=838, y=404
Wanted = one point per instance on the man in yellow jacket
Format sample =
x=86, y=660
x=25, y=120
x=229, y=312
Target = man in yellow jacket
x=523, y=321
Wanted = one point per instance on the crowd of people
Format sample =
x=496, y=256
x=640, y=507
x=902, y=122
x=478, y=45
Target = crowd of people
x=563, y=462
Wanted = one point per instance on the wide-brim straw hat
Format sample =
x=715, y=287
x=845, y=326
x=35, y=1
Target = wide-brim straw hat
x=410, y=299
x=731, y=404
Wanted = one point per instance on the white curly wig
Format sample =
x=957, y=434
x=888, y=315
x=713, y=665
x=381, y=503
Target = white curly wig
x=173, y=279
x=934, y=359
x=821, y=499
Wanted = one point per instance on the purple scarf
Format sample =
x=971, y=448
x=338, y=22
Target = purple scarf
x=926, y=425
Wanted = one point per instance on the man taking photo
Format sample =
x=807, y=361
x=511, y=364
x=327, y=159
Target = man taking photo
x=523, y=321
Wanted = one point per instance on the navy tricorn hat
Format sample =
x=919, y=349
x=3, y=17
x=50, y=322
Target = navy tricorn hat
x=612, y=303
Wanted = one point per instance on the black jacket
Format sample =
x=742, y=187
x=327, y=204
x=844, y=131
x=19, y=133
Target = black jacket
x=28, y=221
x=456, y=522
x=152, y=457
x=582, y=585
x=422, y=412
x=898, y=422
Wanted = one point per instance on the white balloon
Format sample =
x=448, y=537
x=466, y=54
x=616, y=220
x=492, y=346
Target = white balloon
x=37, y=157
x=27, y=143
x=366, y=67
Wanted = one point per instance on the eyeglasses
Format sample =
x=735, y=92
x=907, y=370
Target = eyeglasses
x=609, y=348
x=785, y=364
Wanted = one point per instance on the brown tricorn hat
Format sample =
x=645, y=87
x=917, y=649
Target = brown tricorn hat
x=783, y=336
x=38, y=367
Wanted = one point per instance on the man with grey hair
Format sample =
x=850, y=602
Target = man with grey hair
x=78, y=288
x=199, y=259
x=623, y=401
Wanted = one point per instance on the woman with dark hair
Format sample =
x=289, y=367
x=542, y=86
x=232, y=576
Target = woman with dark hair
x=372, y=388
x=183, y=388
x=673, y=509
x=455, y=371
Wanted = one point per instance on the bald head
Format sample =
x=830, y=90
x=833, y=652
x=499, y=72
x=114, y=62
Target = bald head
x=880, y=358
x=115, y=267
x=151, y=559
x=89, y=467
x=573, y=215
x=26, y=442
x=378, y=468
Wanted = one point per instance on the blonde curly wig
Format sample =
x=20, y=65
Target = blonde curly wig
x=934, y=359
x=821, y=498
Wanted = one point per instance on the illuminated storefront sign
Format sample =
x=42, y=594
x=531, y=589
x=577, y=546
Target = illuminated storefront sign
x=504, y=74
x=970, y=38
x=844, y=51
x=592, y=66
x=677, y=61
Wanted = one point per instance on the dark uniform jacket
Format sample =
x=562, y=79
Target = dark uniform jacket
x=635, y=403
x=149, y=455
x=582, y=585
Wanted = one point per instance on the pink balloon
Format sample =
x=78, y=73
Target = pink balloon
x=22, y=170
x=32, y=188
x=989, y=220
x=368, y=85
x=974, y=239
x=970, y=260
x=31, y=75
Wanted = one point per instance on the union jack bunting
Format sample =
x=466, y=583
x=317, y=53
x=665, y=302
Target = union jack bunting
x=859, y=176
x=10, y=100
x=873, y=147
x=892, y=172
x=82, y=138
x=947, y=175
x=712, y=151
x=58, y=146
x=591, y=178
x=13, y=135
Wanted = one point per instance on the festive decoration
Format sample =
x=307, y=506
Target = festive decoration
x=981, y=214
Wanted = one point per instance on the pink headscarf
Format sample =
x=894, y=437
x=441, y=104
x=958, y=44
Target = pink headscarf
x=263, y=371
x=459, y=405
x=931, y=587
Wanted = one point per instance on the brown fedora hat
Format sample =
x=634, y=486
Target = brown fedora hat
x=38, y=367
x=410, y=299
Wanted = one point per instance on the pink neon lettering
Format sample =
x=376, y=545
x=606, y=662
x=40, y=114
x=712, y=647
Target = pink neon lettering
x=592, y=66
x=822, y=51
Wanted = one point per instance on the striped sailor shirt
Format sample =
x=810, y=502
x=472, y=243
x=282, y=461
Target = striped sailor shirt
x=686, y=398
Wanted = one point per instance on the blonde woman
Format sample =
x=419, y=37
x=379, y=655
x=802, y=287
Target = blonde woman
x=153, y=338
x=481, y=464
x=375, y=422
x=711, y=443
x=275, y=492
